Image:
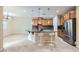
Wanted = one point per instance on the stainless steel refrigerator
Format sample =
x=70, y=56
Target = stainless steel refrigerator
x=69, y=30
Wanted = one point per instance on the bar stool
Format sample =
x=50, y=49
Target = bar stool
x=40, y=39
x=34, y=37
x=52, y=40
x=31, y=36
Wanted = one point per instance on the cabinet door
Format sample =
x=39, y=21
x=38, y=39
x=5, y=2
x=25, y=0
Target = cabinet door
x=44, y=22
x=61, y=20
x=72, y=14
x=50, y=22
x=66, y=16
x=47, y=22
x=34, y=22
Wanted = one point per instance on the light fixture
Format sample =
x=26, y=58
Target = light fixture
x=57, y=11
x=32, y=14
x=39, y=12
x=8, y=15
x=39, y=17
x=32, y=17
x=24, y=10
x=48, y=11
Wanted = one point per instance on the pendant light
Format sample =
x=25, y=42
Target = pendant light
x=48, y=14
x=48, y=11
x=39, y=17
x=32, y=17
x=32, y=14
x=39, y=11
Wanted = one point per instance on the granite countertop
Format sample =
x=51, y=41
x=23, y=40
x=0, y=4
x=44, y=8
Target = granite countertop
x=43, y=31
x=46, y=31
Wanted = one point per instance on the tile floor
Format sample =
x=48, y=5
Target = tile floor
x=20, y=43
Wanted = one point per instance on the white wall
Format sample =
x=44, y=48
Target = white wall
x=1, y=29
x=55, y=23
x=77, y=26
x=18, y=25
x=21, y=24
x=8, y=27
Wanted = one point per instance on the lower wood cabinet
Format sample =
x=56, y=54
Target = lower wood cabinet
x=60, y=33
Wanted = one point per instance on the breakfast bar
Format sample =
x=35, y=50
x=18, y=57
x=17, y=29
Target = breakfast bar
x=44, y=38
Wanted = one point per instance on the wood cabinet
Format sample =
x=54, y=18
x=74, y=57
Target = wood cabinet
x=60, y=20
x=34, y=22
x=60, y=33
x=60, y=24
x=47, y=22
x=72, y=14
x=50, y=22
x=44, y=22
x=66, y=16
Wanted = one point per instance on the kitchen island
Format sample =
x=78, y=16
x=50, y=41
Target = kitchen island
x=44, y=38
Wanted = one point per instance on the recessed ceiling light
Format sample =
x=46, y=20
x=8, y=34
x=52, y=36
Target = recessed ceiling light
x=57, y=11
x=24, y=10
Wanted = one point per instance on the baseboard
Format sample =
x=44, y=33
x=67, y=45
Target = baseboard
x=15, y=34
x=77, y=46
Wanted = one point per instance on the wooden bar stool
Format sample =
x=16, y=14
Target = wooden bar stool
x=52, y=40
x=40, y=39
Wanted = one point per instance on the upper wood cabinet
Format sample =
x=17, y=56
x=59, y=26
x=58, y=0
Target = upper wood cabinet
x=44, y=22
x=34, y=22
x=72, y=14
x=47, y=22
x=60, y=20
x=50, y=22
x=66, y=16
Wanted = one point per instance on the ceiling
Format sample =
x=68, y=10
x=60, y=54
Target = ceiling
x=33, y=11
